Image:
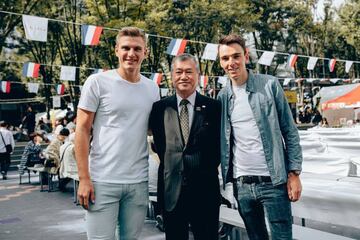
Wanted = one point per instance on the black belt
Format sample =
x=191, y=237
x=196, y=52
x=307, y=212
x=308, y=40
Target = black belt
x=253, y=179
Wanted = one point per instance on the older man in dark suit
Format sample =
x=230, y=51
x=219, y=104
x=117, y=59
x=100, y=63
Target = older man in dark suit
x=186, y=130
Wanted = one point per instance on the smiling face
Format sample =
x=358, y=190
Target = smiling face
x=131, y=51
x=233, y=59
x=185, y=77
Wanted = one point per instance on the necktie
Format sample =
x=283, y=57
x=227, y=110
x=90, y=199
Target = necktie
x=184, y=120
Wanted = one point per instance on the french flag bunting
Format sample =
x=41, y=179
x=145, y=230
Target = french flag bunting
x=5, y=86
x=60, y=89
x=33, y=87
x=292, y=60
x=176, y=47
x=348, y=65
x=204, y=81
x=164, y=92
x=210, y=51
x=31, y=69
x=286, y=81
x=266, y=58
x=332, y=64
x=222, y=80
x=90, y=35
x=36, y=28
x=156, y=77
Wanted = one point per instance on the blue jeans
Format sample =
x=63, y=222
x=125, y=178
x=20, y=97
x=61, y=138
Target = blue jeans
x=118, y=208
x=257, y=200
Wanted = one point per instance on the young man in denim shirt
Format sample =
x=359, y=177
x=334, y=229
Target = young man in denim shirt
x=260, y=150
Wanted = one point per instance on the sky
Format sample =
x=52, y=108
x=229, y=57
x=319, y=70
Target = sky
x=319, y=14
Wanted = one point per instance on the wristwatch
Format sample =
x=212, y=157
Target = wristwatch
x=295, y=172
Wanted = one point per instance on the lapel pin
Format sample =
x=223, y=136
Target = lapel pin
x=198, y=109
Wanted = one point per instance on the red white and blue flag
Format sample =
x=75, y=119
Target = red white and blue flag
x=156, y=77
x=90, y=35
x=176, y=47
x=5, y=86
x=60, y=89
x=332, y=64
x=292, y=60
x=203, y=81
x=31, y=69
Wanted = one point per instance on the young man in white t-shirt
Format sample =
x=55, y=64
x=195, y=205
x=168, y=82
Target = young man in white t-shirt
x=113, y=178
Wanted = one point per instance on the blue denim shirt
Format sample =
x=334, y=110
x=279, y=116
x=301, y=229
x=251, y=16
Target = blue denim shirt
x=279, y=135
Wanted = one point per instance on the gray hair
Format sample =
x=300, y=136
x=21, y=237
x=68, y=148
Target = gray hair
x=184, y=57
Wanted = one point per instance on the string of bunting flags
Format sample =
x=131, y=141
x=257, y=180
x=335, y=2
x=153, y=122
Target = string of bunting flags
x=36, y=29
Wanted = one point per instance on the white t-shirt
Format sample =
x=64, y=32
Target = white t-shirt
x=118, y=152
x=249, y=156
x=8, y=138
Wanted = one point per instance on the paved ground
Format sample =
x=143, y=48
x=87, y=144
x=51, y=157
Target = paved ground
x=26, y=213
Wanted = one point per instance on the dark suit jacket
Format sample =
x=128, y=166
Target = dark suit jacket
x=202, y=150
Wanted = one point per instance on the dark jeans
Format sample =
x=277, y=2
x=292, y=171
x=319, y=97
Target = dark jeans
x=256, y=200
x=201, y=213
x=4, y=162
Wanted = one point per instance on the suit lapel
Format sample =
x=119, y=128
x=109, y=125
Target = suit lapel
x=198, y=117
x=171, y=117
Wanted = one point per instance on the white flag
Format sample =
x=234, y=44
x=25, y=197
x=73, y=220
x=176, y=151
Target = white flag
x=286, y=81
x=222, y=80
x=334, y=80
x=164, y=92
x=68, y=73
x=348, y=65
x=210, y=52
x=35, y=28
x=56, y=101
x=266, y=58
x=311, y=63
x=33, y=87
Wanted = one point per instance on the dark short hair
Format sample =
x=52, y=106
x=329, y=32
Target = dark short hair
x=35, y=134
x=233, y=38
x=4, y=124
x=64, y=132
x=131, y=32
x=184, y=57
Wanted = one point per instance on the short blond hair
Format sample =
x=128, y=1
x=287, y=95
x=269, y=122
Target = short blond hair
x=131, y=32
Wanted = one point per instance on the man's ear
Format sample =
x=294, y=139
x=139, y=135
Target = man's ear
x=247, y=56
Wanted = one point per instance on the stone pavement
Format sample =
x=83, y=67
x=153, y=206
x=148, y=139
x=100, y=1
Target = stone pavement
x=28, y=214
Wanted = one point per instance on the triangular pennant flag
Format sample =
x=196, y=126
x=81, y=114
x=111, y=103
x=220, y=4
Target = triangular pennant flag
x=68, y=73
x=292, y=60
x=332, y=63
x=156, y=77
x=266, y=58
x=348, y=65
x=210, y=51
x=311, y=63
x=60, y=89
x=90, y=35
x=31, y=69
x=56, y=101
x=33, y=87
x=222, y=80
x=334, y=80
x=203, y=81
x=164, y=92
x=310, y=80
x=176, y=47
x=5, y=86
x=35, y=28
x=286, y=81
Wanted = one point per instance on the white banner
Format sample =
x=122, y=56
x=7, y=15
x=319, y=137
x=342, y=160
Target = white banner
x=266, y=58
x=33, y=87
x=35, y=28
x=348, y=65
x=56, y=101
x=311, y=63
x=68, y=73
x=210, y=52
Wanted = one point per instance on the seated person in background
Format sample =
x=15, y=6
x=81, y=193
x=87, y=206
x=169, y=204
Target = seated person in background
x=324, y=122
x=68, y=167
x=32, y=153
x=53, y=151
